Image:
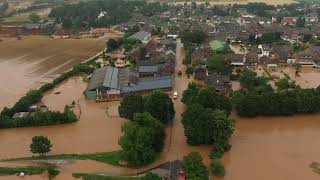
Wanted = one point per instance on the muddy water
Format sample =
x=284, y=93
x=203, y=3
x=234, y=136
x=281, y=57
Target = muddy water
x=267, y=148
x=94, y=132
x=34, y=60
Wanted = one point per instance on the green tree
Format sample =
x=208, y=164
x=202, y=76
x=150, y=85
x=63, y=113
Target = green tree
x=35, y=18
x=190, y=94
x=131, y=104
x=217, y=168
x=196, y=36
x=207, y=97
x=160, y=106
x=216, y=64
x=112, y=45
x=142, y=139
x=206, y=126
x=40, y=145
x=284, y=84
x=270, y=37
x=301, y=22
x=194, y=168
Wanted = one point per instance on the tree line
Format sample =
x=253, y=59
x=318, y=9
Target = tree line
x=257, y=97
x=206, y=122
x=85, y=14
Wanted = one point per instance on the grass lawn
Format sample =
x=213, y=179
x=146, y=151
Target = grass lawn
x=100, y=177
x=29, y=170
x=217, y=45
x=112, y=158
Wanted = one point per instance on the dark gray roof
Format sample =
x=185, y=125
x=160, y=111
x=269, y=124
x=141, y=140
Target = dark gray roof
x=111, y=78
x=174, y=167
x=97, y=78
x=128, y=75
x=106, y=77
x=149, y=83
x=141, y=35
x=148, y=69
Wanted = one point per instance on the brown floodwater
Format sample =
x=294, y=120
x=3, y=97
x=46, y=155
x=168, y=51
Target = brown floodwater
x=94, y=132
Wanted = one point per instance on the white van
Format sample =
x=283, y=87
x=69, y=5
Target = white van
x=175, y=95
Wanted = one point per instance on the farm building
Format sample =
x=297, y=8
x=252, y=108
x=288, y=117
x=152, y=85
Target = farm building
x=111, y=83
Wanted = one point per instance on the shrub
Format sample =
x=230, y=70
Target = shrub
x=217, y=168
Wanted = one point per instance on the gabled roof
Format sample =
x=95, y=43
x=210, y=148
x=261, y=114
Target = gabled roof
x=141, y=35
x=148, y=69
x=149, y=83
x=97, y=78
x=111, y=78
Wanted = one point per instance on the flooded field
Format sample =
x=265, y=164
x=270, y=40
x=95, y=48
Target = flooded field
x=94, y=132
x=267, y=148
x=29, y=62
x=309, y=77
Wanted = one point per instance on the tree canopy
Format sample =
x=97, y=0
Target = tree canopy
x=160, y=106
x=142, y=139
x=217, y=64
x=131, y=104
x=206, y=126
x=196, y=36
x=40, y=145
x=194, y=168
x=35, y=18
x=207, y=97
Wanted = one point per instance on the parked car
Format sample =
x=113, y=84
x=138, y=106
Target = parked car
x=179, y=73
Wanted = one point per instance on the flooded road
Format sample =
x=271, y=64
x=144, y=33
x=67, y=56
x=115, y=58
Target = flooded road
x=34, y=60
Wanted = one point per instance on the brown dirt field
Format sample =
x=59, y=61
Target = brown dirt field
x=28, y=63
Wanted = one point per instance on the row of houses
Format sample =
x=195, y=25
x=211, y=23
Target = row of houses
x=28, y=29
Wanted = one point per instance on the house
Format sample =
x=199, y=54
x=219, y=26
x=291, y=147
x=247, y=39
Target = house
x=143, y=36
x=252, y=57
x=104, y=84
x=172, y=35
x=149, y=84
x=268, y=62
x=170, y=171
x=306, y=58
x=167, y=68
x=200, y=55
x=289, y=21
x=200, y=72
x=235, y=59
x=311, y=17
x=281, y=54
x=221, y=83
x=265, y=50
x=149, y=71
